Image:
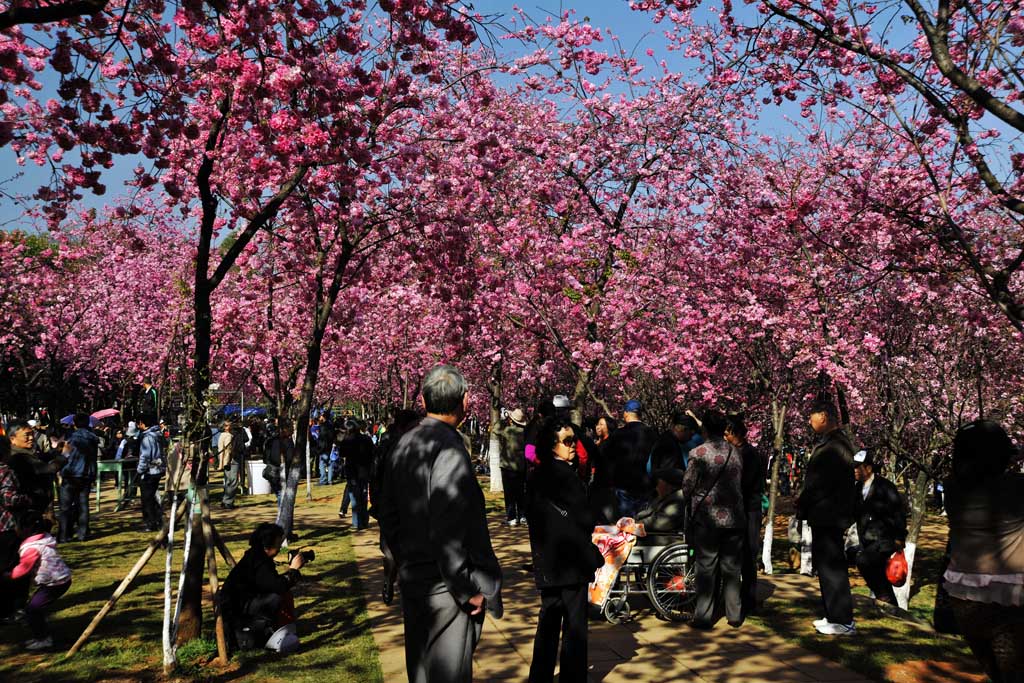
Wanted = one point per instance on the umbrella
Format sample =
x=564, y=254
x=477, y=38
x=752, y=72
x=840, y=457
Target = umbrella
x=70, y=420
x=105, y=413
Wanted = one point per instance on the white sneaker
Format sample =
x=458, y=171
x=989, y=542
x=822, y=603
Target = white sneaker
x=512, y=522
x=830, y=629
x=522, y=521
x=39, y=644
x=820, y=622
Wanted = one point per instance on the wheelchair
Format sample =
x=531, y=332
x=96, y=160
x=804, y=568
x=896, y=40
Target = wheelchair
x=663, y=567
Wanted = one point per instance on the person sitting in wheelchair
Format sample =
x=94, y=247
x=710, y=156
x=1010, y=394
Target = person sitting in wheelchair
x=665, y=516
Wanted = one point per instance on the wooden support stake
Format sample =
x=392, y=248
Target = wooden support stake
x=211, y=568
x=157, y=541
x=224, y=552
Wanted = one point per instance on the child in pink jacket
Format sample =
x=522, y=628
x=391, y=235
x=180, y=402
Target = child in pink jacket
x=40, y=559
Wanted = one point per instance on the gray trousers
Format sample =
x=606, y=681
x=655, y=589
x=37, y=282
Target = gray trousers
x=230, y=483
x=718, y=556
x=440, y=636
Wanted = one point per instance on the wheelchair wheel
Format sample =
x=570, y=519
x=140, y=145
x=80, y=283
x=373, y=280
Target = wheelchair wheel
x=671, y=583
x=616, y=610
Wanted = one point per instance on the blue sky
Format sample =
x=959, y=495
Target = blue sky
x=635, y=30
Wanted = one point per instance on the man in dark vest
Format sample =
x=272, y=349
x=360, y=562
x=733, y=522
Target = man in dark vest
x=826, y=503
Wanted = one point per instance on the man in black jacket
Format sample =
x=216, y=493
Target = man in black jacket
x=881, y=525
x=35, y=475
x=754, y=471
x=434, y=519
x=627, y=453
x=672, y=451
x=826, y=503
x=357, y=450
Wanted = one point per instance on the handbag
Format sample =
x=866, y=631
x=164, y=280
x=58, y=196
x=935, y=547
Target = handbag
x=896, y=570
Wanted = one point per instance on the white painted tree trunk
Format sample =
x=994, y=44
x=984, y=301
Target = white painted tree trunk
x=169, y=653
x=309, y=474
x=903, y=592
x=778, y=424
x=494, y=460
x=190, y=519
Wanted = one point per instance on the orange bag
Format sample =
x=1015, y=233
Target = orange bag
x=896, y=571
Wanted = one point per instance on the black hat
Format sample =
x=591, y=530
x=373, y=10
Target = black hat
x=670, y=476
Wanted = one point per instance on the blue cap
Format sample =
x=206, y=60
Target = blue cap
x=632, y=406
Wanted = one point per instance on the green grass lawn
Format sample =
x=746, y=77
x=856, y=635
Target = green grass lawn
x=883, y=644
x=337, y=644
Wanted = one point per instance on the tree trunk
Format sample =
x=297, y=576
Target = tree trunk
x=778, y=425
x=290, y=488
x=579, y=393
x=918, y=502
x=314, y=353
x=493, y=442
x=190, y=623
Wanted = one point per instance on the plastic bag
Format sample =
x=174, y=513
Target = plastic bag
x=896, y=571
x=794, y=533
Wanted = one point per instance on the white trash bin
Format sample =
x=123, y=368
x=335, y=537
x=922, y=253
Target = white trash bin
x=257, y=484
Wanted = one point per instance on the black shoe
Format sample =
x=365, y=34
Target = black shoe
x=736, y=624
x=387, y=594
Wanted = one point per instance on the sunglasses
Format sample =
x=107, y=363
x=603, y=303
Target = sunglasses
x=568, y=441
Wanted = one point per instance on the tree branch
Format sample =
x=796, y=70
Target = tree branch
x=17, y=16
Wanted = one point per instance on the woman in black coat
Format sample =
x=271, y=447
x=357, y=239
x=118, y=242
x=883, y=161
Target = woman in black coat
x=564, y=558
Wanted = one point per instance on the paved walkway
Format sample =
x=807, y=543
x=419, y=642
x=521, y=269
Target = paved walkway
x=646, y=649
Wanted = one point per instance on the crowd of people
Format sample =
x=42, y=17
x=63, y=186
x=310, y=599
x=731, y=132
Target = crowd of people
x=700, y=480
x=700, y=477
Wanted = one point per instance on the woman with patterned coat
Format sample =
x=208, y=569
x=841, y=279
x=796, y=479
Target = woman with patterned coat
x=713, y=487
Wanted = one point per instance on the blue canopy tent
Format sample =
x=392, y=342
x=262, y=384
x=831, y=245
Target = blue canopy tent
x=233, y=410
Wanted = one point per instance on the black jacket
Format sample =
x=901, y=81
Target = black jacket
x=754, y=471
x=626, y=453
x=667, y=453
x=255, y=574
x=432, y=514
x=664, y=516
x=357, y=449
x=35, y=476
x=560, y=527
x=827, y=498
x=880, y=517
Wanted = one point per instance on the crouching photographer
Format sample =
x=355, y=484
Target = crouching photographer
x=256, y=601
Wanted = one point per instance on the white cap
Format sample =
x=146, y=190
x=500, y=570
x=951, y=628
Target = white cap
x=561, y=401
x=860, y=456
x=33, y=423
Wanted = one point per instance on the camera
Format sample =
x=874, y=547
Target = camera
x=307, y=555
